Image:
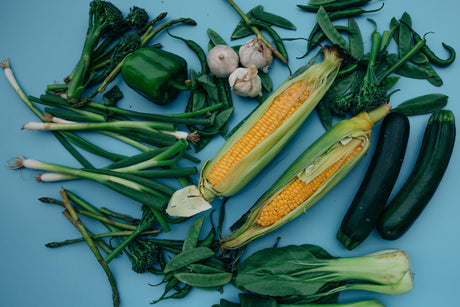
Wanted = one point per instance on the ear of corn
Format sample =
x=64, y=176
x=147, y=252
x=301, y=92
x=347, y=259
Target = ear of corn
x=315, y=172
x=268, y=129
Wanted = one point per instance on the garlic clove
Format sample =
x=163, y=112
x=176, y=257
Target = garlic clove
x=246, y=82
x=255, y=52
x=222, y=61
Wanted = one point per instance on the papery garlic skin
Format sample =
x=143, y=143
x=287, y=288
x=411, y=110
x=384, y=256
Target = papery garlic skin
x=222, y=61
x=246, y=82
x=255, y=52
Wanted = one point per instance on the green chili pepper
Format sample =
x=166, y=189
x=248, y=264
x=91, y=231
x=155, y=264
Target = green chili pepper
x=331, y=7
x=432, y=56
x=157, y=74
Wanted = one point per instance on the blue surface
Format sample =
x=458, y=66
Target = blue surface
x=43, y=41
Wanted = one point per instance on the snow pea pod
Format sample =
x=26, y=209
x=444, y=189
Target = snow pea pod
x=339, y=15
x=204, y=280
x=329, y=30
x=193, y=234
x=188, y=257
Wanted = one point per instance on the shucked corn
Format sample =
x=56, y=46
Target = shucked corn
x=317, y=170
x=282, y=108
x=297, y=192
x=262, y=135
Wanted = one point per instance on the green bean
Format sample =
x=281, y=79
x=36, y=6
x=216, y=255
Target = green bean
x=204, y=280
x=424, y=104
x=331, y=7
x=193, y=234
x=329, y=30
x=188, y=257
x=272, y=19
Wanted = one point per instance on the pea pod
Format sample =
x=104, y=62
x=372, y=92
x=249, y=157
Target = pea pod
x=193, y=234
x=188, y=257
x=272, y=19
x=328, y=28
x=422, y=104
x=204, y=280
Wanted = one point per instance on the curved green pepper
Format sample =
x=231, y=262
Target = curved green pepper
x=157, y=74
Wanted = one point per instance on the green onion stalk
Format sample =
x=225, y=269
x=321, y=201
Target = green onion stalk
x=66, y=138
x=144, y=190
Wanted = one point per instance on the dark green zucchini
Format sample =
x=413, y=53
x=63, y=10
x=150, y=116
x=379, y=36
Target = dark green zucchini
x=373, y=194
x=433, y=158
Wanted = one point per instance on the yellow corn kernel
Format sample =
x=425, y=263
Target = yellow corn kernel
x=281, y=109
x=297, y=192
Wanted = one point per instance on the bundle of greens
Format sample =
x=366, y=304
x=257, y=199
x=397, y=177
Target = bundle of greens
x=307, y=273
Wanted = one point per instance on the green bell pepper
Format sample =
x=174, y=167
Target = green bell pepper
x=156, y=74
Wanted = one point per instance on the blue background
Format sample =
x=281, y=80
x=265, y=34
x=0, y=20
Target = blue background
x=43, y=41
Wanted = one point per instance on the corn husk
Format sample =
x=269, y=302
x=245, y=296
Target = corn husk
x=320, y=77
x=337, y=142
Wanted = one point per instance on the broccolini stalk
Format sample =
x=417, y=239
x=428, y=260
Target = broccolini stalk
x=308, y=271
x=371, y=94
x=148, y=221
x=104, y=18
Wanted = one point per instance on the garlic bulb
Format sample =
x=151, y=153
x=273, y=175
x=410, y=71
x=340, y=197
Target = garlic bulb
x=222, y=60
x=246, y=82
x=255, y=52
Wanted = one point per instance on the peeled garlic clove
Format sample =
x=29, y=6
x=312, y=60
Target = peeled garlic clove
x=255, y=52
x=246, y=82
x=222, y=61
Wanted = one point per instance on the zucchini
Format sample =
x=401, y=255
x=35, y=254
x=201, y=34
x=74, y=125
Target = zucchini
x=376, y=187
x=433, y=158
